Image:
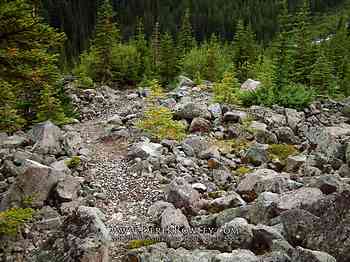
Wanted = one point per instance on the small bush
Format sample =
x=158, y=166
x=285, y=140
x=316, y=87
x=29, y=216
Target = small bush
x=73, y=162
x=12, y=220
x=232, y=146
x=226, y=90
x=206, y=62
x=292, y=96
x=243, y=170
x=133, y=244
x=281, y=151
x=158, y=122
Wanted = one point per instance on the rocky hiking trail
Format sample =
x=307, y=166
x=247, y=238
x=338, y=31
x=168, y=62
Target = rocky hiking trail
x=125, y=197
x=245, y=185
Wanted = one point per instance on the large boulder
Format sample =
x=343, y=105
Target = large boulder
x=35, y=181
x=173, y=219
x=145, y=149
x=47, y=138
x=305, y=255
x=235, y=116
x=305, y=196
x=256, y=154
x=195, y=145
x=67, y=188
x=181, y=194
x=191, y=110
x=263, y=180
x=72, y=143
x=262, y=209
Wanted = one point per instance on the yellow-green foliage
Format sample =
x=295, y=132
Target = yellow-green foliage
x=231, y=146
x=158, y=122
x=246, y=124
x=73, y=162
x=216, y=194
x=133, y=244
x=226, y=90
x=156, y=91
x=281, y=151
x=12, y=220
x=243, y=170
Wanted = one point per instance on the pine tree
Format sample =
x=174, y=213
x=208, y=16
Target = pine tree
x=155, y=47
x=50, y=107
x=106, y=36
x=245, y=47
x=168, y=58
x=186, y=41
x=27, y=58
x=304, y=51
x=10, y=120
x=321, y=75
x=142, y=49
x=283, y=47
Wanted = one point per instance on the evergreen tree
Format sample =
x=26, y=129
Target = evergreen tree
x=283, y=47
x=10, y=120
x=155, y=47
x=27, y=60
x=245, y=47
x=106, y=36
x=186, y=41
x=321, y=75
x=168, y=58
x=142, y=49
x=304, y=51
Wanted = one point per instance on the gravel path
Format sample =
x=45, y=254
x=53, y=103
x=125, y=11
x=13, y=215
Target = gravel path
x=126, y=196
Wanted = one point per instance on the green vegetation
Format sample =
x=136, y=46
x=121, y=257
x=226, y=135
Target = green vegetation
x=12, y=220
x=158, y=120
x=281, y=151
x=28, y=67
x=73, y=162
x=243, y=170
x=226, y=91
x=133, y=244
x=231, y=146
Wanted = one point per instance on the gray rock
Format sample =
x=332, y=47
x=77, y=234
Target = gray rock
x=68, y=187
x=305, y=255
x=232, y=199
x=72, y=142
x=265, y=235
x=35, y=181
x=211, y=152
x=256, y=154
x=199, y=124
x=198, y=144
x=286, y=135
x=191, y=110
x=215, y=110
x=173, y=219
x=169, y=103
x=293, y=163
x=235, y=116
x=261, y=211
x=230, y=214
x=265, y=137
x=47, y=138
x=301, y=197
x=181, y=193
x=262, y=180
x=240, y=255
x=234, y=234
x=222, y=178
x=199, y=187
x=329, y=184
x=275, y=257
x=144, y=150
x=294, y=118
x=61, y=166
x=255, y=125
x=207, y=221
x=155, y=211
x=185, y=81
x=250, y=85
x=12, y=141
x=115, y=120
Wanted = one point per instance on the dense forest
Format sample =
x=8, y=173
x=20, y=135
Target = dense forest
x=77, y=17
x=298, y=50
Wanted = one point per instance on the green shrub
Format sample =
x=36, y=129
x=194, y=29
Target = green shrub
x=281, y=151
x=12, y=220
x=133, y=244
x=226, y=90
x=125, y=66
x=158, y=122
x=73, y=162
x=206, y=62
x=292, y=96
x=243, y=170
